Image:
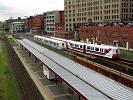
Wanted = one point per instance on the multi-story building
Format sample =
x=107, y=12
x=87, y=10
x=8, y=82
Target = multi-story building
x=52, y=18
x=59, y=27
x=34, y=24
x=28, y=24
x=81, y=12
x=37, y=24
x=54, y=23
x=9, y=21
x=115, y=35
x=16, y=27
x=1, y=26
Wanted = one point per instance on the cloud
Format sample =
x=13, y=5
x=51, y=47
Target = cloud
x=16, y=8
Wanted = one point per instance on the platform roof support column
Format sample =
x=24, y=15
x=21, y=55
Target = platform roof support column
x=56, y=79
x=61, y=81
x=25, y=50
x=21, y=46
x=78, y=96
x=29, y=54
x=36, y=59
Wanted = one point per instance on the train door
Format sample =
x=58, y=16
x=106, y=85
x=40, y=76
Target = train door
x=84, y=48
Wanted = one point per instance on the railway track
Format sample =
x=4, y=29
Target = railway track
x=120, y=65
x=27, y=88
x=128, y=62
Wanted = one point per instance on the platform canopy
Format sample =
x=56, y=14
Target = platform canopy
x=90, y=79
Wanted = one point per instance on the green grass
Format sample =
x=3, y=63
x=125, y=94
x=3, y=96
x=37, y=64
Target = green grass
x=12, y=41
x=7, y=87
x=127, y=54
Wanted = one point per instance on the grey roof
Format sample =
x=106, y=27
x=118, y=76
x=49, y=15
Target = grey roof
x=81, y=86
x=107, y=86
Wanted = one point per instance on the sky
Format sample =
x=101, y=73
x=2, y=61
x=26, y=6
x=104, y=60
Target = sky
x=23, y=8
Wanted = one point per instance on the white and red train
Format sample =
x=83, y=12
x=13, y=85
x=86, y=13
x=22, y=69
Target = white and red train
x=94, y=49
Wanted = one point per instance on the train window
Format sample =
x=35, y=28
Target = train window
x=63, y=44
x=80, y=46
x=92, y=48
x=116, y=51
x=54, y=43
x=101, y=50
x=106, y=51
x=72, y=45
x=97, y=49
x=76, y=45
x=88, y=47
x=57, y=44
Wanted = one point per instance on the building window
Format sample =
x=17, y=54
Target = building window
x=125, y=33
x=74, y=19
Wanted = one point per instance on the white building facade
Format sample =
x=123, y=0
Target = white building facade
x=16, y=27
x=52, y=17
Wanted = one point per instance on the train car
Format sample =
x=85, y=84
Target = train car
x=60, y=39
x=57, y=44
x=94, y=49
x=37, y=37
x=51, y=42
x=103, y=50
x=77, y=46
x=73, y=45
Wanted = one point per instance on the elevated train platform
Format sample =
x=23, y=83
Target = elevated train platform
x=89, y=84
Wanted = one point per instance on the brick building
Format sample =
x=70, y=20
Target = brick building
x=115, y=35
x=37, y=26
x=64, y=35
x=60, y=28
x=28, y=24
x=34, y=24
